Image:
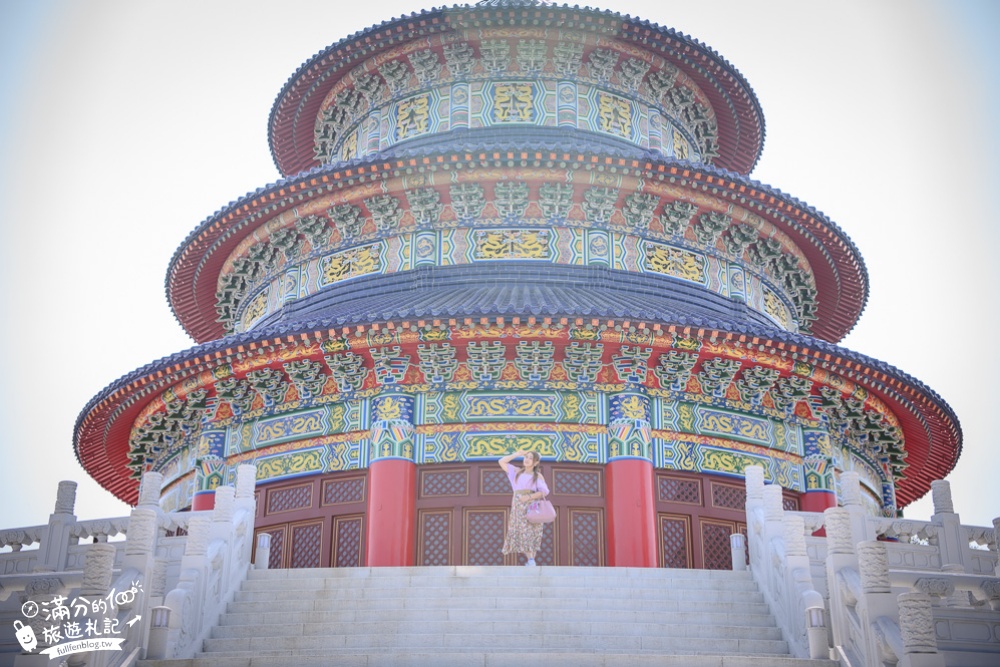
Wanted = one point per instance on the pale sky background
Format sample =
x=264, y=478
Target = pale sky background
x=123, y=124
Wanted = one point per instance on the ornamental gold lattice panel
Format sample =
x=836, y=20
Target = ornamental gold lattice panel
x=586, y=538
x=674, y=490
x=730, y=497
x=338, y=491
x=306, y=545
x=494, y=482
x=434, y=538
x=286, y=500
x=484, y=532
x=449, y=483
x=790, y=504
x=675, y=541
x=347, y=541
x=576, y=482
x=716, y=546
x=275, y=560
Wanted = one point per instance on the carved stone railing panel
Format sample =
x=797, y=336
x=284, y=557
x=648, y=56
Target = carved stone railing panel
x=19, y=538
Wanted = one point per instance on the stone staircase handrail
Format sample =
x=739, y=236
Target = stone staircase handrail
x=18, y=538
x=779, y=562
x=102, y=529
x=892, y=584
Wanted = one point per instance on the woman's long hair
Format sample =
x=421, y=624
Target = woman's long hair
x=536, y=471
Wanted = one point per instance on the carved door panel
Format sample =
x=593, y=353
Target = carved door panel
x=483, y=533
x=348, y=545
x=434, y=537
x=674, y=538
x=295, y=545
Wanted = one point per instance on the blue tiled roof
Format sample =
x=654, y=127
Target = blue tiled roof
x=509, y=288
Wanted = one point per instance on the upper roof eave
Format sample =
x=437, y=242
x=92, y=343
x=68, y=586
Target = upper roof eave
x=285, y=150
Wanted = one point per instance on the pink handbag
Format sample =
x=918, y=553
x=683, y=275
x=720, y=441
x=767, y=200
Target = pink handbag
x=541, y=511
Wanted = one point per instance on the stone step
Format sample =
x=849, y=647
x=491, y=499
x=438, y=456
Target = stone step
x=481, y=642
x=548, y=628
x=264, y=615
x=453, y=571
x=493, y=581
x=547, y=605
x=351, y=595
x=506, y=658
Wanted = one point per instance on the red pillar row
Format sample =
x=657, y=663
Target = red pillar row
x=392, y=513
x=631, y=511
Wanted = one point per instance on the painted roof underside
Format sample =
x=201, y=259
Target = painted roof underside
x=740, y=120
x=931, y=429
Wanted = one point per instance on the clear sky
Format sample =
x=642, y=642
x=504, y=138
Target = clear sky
x=124, y=124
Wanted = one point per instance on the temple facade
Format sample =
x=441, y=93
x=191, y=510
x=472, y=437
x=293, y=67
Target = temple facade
x=516, y=226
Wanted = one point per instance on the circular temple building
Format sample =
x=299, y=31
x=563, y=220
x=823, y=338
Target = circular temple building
x=516, y=226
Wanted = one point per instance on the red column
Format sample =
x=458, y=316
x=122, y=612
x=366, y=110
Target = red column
x=631, y=509
x=392, y=513
x=203, y=500
x=817, y=501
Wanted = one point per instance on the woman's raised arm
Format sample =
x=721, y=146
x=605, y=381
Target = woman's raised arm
x=505, y=461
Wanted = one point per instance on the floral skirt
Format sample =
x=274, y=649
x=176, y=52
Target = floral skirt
x=522, y=537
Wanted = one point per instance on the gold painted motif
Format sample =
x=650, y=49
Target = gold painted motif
x=633, y=408
x=390, y=408
x=675, y=262
x=735, y=425
x=503, y=406
x=730, y=462
x=291, y=464
x=498, y=445
x=290, y=426
x=776, y=309
x=350, y=264
x=685, y=417
x=681, y=150
x=350, y=147
x=512, y=102
x=615, y=114
x=412, y=117
x=512, y=244
x=451, y=408
x=571, y=407
x=256, y=310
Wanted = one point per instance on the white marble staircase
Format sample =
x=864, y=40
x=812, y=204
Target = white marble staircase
x=493, y=616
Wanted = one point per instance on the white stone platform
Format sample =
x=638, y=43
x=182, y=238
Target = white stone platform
x=492, y=616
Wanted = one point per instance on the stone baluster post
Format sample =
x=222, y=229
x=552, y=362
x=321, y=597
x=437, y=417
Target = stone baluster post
x=140, y=552
x=873, y=560
x=808, y=606
x=850, y=499
x=41, y=591
x=185, y=601
x=950, y=543
x=916, y=625
x=738, y=549
x=754, y=476
x=996, y=544
x=98, y=570
x=55, y=544
x=840, y=558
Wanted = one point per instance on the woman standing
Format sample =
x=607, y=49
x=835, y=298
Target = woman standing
x=529, y=485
